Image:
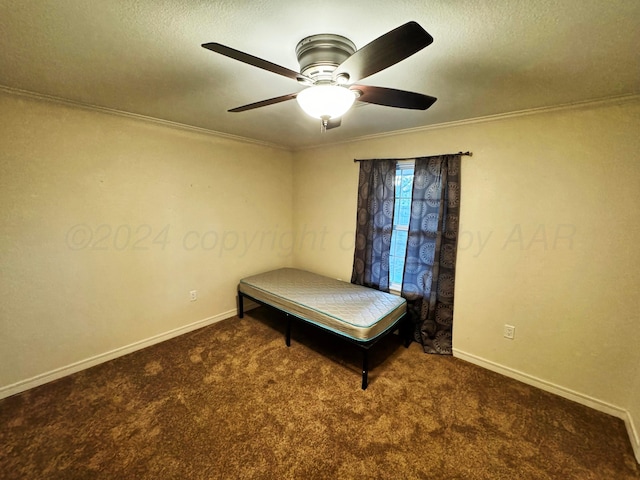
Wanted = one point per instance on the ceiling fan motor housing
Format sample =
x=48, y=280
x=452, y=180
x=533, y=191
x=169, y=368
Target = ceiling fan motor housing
x=319, y=55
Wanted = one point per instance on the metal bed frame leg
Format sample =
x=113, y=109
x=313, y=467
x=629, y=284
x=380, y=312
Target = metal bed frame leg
x=288, y=337
x=405, y=332
x=365, y=368
x=402, y=326
x=407, y=336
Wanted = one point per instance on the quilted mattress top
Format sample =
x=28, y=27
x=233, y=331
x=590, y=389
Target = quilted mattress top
x=353, y=310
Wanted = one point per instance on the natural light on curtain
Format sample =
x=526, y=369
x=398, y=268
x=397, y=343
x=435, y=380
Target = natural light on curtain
x=376, y=188
x=429, y=273
x=406, y=239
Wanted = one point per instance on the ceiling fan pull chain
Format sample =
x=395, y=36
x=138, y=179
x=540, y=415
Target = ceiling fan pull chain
x=324, y=122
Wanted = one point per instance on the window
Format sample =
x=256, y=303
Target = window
x=401, y=216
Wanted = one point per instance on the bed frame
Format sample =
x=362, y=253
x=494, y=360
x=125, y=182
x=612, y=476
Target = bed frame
x=364, y=345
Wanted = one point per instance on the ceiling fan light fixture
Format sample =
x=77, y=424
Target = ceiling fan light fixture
x=326, y=101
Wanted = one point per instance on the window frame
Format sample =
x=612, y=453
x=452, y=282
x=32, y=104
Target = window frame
x=396, y=288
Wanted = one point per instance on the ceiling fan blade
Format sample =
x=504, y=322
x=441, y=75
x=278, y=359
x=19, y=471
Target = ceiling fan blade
x=255, y=61
x=264, y=103
x=391, y=97
x=384, y=51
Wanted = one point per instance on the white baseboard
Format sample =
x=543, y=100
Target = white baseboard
x=564, y=392
x=633, y=435
x=51, y=375
x=587, y=400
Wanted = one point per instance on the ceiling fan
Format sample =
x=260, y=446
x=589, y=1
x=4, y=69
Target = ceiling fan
x=329, y=66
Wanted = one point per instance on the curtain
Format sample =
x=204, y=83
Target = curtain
x=429, y=276
x=376, y=190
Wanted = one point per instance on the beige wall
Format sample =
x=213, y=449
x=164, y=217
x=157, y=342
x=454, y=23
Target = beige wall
x=108, y=222
x=549, y=240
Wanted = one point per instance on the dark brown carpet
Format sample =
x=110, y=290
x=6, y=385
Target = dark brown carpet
x=232, y=401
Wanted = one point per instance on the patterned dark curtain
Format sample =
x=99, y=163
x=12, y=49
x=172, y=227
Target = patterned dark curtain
x=429, y=275
x=376, y=188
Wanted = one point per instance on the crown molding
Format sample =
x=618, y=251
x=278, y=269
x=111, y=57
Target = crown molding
x=606, y=101
x=136, y=116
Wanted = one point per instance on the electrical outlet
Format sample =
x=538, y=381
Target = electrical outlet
x=509, y=332
x=193, y=295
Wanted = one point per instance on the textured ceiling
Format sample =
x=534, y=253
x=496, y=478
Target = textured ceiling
x=487, y=58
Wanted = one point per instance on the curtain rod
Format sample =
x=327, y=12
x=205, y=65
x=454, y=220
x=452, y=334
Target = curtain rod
x=466, y=154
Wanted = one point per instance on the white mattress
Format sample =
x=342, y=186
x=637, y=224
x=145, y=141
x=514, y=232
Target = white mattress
x=354, y=311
